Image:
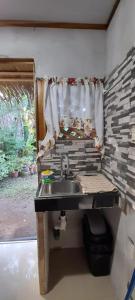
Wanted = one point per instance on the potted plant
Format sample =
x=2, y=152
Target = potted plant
x=15, y=173
x=14, y=166
x=33, y=169
x=24, y=166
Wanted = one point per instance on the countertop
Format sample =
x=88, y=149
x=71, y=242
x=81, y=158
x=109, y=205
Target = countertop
x=97, y=192
x=95, y=184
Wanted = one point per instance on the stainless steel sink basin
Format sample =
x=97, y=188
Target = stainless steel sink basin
x=64, y=187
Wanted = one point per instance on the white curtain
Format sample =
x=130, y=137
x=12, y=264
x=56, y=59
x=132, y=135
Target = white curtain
x=68, y=102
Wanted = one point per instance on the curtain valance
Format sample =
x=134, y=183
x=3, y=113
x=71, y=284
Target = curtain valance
x=73, y=109
x=74, y=81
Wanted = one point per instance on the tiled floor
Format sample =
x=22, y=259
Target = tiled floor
x=70, y=278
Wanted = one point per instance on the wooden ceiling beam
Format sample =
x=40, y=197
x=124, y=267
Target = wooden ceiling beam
x=44, y=24
x=14, y=73
x=59, y=25
x=117, y=2
x=16, y=79
x=16, y=60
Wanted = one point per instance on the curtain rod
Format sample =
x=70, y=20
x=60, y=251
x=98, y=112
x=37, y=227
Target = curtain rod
x=90, y=78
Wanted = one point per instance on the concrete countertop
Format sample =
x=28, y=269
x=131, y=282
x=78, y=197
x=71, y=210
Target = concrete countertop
x=95, y=184
x=97, y=192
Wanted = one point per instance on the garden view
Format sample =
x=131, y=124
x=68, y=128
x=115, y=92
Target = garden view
x=18, y=172
x=17, y=138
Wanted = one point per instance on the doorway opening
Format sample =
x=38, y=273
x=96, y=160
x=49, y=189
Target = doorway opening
x=18, y=172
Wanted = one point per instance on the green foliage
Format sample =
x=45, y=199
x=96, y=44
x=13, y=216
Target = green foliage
x=29, y=147
x=13, y=163
x=4, y=168
x=17, y=136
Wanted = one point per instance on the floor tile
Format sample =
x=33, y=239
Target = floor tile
x=69, y=275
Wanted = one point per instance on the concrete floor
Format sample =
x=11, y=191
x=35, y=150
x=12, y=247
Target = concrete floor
x=69, y=275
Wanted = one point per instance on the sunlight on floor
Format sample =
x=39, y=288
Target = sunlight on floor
x=19, y=276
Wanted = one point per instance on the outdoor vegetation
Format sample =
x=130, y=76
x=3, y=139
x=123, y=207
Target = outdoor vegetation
x=17, y=138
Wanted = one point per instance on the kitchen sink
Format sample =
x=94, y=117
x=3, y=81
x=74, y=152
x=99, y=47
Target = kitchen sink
x=63, y=187
x=67, y=194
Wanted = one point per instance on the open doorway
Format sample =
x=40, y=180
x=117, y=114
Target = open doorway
x=18, y=173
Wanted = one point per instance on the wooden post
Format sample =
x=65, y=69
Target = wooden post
x=40, y=91
x=43, y=257
x=42, y=217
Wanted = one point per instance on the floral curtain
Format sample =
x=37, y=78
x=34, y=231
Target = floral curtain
x=73, y=109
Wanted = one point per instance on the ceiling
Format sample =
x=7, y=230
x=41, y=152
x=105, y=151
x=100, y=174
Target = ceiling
x=82, y=11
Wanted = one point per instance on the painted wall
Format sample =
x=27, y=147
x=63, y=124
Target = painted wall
x=124, y=254
x=121, y=34
x=57, y=52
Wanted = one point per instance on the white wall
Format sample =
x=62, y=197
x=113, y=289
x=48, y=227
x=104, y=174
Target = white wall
x=121, y=34
x=120, y=39
x=124, y=255
x=57, y=51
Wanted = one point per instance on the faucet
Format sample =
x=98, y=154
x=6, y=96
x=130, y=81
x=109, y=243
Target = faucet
x=66, y=168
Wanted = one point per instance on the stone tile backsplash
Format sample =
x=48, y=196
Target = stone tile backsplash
x=119, y=113
x=83, y=157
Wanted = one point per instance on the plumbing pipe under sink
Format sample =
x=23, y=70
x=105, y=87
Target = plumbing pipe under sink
x=61, y=225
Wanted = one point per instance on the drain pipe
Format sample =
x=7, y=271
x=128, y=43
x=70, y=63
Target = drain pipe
x=61, y=225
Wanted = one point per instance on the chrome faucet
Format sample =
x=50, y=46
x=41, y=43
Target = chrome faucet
x=61, y=170
x=66, y=169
